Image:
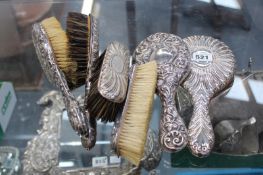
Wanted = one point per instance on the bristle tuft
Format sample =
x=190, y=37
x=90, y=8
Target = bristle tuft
x=59, y=42
x=98, y=106
x=78, y=32
x=137, y=113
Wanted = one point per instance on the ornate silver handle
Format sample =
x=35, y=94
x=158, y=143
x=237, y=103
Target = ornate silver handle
x=201, y=134
x=81, y=122
x=173, y=132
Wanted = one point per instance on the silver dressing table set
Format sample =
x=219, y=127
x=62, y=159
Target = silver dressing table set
x=201, y=65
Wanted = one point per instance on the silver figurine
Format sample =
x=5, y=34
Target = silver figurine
x=42, y=152
x=212, y=71
x=79, y=118
x=113, y=79
x=172, y=55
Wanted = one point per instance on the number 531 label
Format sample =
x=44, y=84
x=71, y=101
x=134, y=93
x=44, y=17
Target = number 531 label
x=202, y=57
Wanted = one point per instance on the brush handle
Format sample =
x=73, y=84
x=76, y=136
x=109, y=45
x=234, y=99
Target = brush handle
x=80, y=120
x=200, y=130
x=173, y=132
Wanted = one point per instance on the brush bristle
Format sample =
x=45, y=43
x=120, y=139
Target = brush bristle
x=59, y=42
x=78, y=32
x=137, y=113
x=98, y=106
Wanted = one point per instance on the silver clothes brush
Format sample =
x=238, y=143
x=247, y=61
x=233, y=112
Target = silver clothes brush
x=109, y=84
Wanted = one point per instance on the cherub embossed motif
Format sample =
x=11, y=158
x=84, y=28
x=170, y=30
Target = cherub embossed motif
x=172, y=55
x=212, y=71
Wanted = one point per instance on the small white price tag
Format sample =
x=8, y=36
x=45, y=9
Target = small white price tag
x=99, y=161
x=115, y=160
x=202, y=57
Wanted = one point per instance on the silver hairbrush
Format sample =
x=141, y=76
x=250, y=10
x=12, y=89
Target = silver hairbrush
x=79, y=119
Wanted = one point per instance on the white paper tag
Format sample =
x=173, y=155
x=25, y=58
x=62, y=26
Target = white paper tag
x=202, y=57
x=99, y=161
x=115, y=160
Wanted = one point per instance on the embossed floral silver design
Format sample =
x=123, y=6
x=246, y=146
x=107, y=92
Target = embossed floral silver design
x=152, y=152
x=212, y=71
x=172, y=55
x=113, y=79
x=41, y=154
x=78, y=118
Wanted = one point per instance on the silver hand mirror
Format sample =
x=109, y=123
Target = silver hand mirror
x=211, y=72
x=172, y=55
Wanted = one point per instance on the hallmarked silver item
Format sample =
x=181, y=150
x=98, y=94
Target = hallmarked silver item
x=212, y=71
x=172, y=55
x=79, y=118
x=113, y=79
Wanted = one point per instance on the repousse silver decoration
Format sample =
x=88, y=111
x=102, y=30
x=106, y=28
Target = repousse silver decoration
x=212, y=71
x=152, y=150
x=172, y=56
x=113, y=80
x=79, y=119
x=41, y=154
